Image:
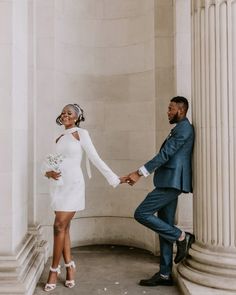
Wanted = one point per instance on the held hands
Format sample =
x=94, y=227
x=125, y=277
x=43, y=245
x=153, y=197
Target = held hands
x=131, y=178
x=53, y=174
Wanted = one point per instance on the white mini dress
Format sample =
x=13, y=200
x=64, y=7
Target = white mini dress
x=70, y=195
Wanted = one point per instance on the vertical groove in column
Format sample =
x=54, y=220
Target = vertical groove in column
x=218, y=128
x=195, y=118
x=224, y=122
x=230, y=131
x=202, y=85
x=199, y=213
x=212, y=117
x=207, y=130
x=233, y=105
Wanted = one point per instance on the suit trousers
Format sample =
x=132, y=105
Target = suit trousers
x=164, y=202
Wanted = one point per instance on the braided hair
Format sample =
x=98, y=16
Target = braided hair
x=79, y=112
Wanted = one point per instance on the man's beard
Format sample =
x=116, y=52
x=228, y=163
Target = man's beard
x=175, y=119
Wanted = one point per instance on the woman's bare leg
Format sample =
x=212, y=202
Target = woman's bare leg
x=62, y=220
x=67, y=254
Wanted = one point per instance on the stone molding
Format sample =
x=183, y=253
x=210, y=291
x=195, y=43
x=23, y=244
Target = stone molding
x=20, y=273
x=214, y=269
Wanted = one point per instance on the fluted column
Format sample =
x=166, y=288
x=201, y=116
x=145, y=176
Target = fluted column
x=212, y=257
x=22, y=251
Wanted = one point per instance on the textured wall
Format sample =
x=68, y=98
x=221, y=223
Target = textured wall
x=115, y=58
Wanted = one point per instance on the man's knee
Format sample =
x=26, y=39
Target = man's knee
x=138, y=215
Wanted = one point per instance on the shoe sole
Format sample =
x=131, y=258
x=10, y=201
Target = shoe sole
x=158, y=284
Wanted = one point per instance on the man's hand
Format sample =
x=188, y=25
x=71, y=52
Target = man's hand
x=133, y=177
x=126, y=179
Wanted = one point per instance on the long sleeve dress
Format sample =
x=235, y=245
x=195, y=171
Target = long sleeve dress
x=70, y=195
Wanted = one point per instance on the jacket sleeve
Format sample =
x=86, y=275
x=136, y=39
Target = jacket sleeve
x=93, y=156
x=178, y=138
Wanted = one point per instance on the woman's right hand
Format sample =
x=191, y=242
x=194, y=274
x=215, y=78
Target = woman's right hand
x=53, y=174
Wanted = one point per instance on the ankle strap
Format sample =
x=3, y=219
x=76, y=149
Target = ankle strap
x=70, y=264
x=58, y=269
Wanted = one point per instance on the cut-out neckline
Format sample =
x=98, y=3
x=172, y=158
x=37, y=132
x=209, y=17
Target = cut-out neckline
x=74, y=135
x=70, y=131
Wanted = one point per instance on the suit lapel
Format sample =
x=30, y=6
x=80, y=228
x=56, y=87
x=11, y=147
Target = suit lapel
x=168, y=137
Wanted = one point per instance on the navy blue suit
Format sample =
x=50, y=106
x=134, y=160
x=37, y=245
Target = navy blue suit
x=172, y=176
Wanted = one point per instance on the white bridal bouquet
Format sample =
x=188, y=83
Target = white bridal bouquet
x=53, y=162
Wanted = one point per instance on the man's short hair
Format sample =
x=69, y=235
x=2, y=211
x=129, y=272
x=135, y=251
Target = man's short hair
x=181, y=100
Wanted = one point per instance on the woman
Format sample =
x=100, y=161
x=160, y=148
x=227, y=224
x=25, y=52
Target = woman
x=67, y=189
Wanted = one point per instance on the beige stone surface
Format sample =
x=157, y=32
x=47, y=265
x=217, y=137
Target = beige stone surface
x=164, y=15
x=5, y=22
x=112, y=270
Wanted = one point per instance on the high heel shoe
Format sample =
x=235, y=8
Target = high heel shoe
x=70, y=283
x=49, y=287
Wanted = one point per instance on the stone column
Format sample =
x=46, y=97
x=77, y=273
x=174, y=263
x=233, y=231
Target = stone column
x=212, y=257
x=21, y=262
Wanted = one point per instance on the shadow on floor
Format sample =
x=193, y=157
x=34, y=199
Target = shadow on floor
x=109, y=270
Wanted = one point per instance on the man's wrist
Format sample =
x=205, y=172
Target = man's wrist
x=139, y=172
x=144, y=171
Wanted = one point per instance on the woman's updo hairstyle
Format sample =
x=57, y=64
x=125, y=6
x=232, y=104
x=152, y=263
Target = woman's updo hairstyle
x=79, y=112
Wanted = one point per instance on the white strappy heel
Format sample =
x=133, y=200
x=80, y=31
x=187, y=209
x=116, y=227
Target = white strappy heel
x=70, y=283
x=49, y=287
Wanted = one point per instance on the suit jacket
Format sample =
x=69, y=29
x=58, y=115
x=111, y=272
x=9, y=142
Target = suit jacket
x=172, y=165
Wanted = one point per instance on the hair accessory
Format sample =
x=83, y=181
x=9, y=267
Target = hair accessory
x=79, y=112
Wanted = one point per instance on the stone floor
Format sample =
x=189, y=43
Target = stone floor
x=109, y=270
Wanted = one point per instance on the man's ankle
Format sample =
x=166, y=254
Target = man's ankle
x=182, y=236
x=165, y=277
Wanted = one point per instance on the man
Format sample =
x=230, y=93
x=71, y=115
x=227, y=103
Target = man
x=172, y=176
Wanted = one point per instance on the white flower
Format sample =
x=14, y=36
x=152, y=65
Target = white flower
x=54, y=161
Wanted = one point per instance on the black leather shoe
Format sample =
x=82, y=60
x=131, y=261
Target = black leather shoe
x=157, y=280
x=183, y=247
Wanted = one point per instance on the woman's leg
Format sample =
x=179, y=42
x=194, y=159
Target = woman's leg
x=67, y=246
x=61, y=223
x=67, y=255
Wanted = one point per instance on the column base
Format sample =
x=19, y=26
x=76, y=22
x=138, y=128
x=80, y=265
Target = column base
x=216, y=270
x=20, y=273
x=189, y=288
